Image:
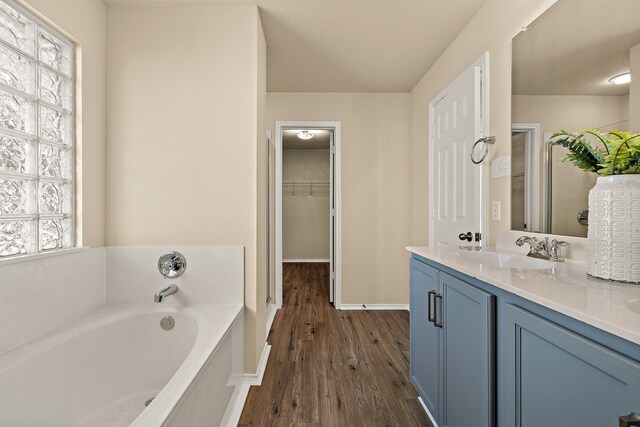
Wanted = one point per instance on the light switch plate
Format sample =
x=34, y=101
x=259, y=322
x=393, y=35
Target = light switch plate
x=501, y=167
x=495, y=210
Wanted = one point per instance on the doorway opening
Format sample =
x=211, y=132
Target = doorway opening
x=307, y=202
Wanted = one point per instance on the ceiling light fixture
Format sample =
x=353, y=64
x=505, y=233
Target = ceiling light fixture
x=305, y=135
x=621, y=79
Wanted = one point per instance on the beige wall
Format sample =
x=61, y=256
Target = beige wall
x=634, y=88
x=305, y=220
x=84, y=21
x=260, y=286
x=626, y=111
x=492, y=29
x=556, y=112
x=375, y=182
x=570, y=185
x=183, y=105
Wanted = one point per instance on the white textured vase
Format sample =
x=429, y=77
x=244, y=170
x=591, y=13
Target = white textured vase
x=614, y=229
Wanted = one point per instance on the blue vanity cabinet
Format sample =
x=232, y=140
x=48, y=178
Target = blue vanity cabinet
x=502, y=360
x=555, y=377
x=452, y=354
x=468, y=354
x=424, y=354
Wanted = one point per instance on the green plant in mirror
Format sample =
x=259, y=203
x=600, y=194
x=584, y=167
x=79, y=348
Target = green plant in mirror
x=616, y=152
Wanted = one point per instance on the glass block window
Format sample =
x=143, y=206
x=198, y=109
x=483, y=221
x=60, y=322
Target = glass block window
x=36, y=135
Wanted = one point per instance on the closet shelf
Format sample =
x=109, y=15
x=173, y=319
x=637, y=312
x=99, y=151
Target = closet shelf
x=305, y=188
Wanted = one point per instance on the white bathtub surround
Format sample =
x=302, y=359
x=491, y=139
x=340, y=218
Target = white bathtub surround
x=99, y=370
x=43, y=293
x=243, y=384
x=214, y=275
x=236, y=405
x=213, y=392
x=614, y=229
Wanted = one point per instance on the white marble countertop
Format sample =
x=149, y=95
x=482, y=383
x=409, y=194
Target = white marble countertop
x=612, y=307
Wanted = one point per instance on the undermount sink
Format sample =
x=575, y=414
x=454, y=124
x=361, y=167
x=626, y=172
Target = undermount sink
x=496, y=259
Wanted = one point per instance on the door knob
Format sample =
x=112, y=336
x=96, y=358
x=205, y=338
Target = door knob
x=630, y=420
x=466, y=236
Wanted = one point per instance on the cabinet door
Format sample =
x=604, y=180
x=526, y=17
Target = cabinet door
x=468, y=322
x=555, y=377
x=424, y=360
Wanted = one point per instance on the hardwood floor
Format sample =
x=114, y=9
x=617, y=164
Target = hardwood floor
x=333, y=368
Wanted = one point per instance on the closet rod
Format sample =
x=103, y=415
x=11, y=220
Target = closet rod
x=305, y=182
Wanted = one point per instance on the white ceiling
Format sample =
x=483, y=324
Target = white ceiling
x=353, y=45
x=320, y=140
x=575, y=47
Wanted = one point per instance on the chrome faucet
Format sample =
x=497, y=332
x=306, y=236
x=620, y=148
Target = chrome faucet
x=533, y=243
x=169, y=290
x=554, y=250
x=545, y=249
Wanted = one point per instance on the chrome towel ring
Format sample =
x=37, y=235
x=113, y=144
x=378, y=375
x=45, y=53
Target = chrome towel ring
x=487, y=140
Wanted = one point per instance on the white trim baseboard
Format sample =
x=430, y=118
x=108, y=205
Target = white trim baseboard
x=307, y=260
x=374, y=307
x=270, y=315
x=256, y=379
x=241, y=391
x=435, y=424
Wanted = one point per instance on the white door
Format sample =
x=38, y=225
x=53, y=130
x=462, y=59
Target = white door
x=456, y=182
x=332, y=218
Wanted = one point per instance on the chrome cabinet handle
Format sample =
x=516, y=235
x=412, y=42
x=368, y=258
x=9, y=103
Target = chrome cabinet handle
x=429, y=317
x=466, y=236
x=435, y=320
x=630, y=420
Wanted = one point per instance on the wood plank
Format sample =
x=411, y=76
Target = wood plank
x=330, y=367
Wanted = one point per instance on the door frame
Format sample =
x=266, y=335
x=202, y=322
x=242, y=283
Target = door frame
x=483, y=63
x=536, y=161
x=282, y=125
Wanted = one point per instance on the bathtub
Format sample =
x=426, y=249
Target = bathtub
x=100, y=370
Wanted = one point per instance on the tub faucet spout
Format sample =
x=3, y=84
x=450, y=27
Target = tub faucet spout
x=169, y=290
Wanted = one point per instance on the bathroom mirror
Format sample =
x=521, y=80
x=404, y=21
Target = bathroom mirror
x=562, y=64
